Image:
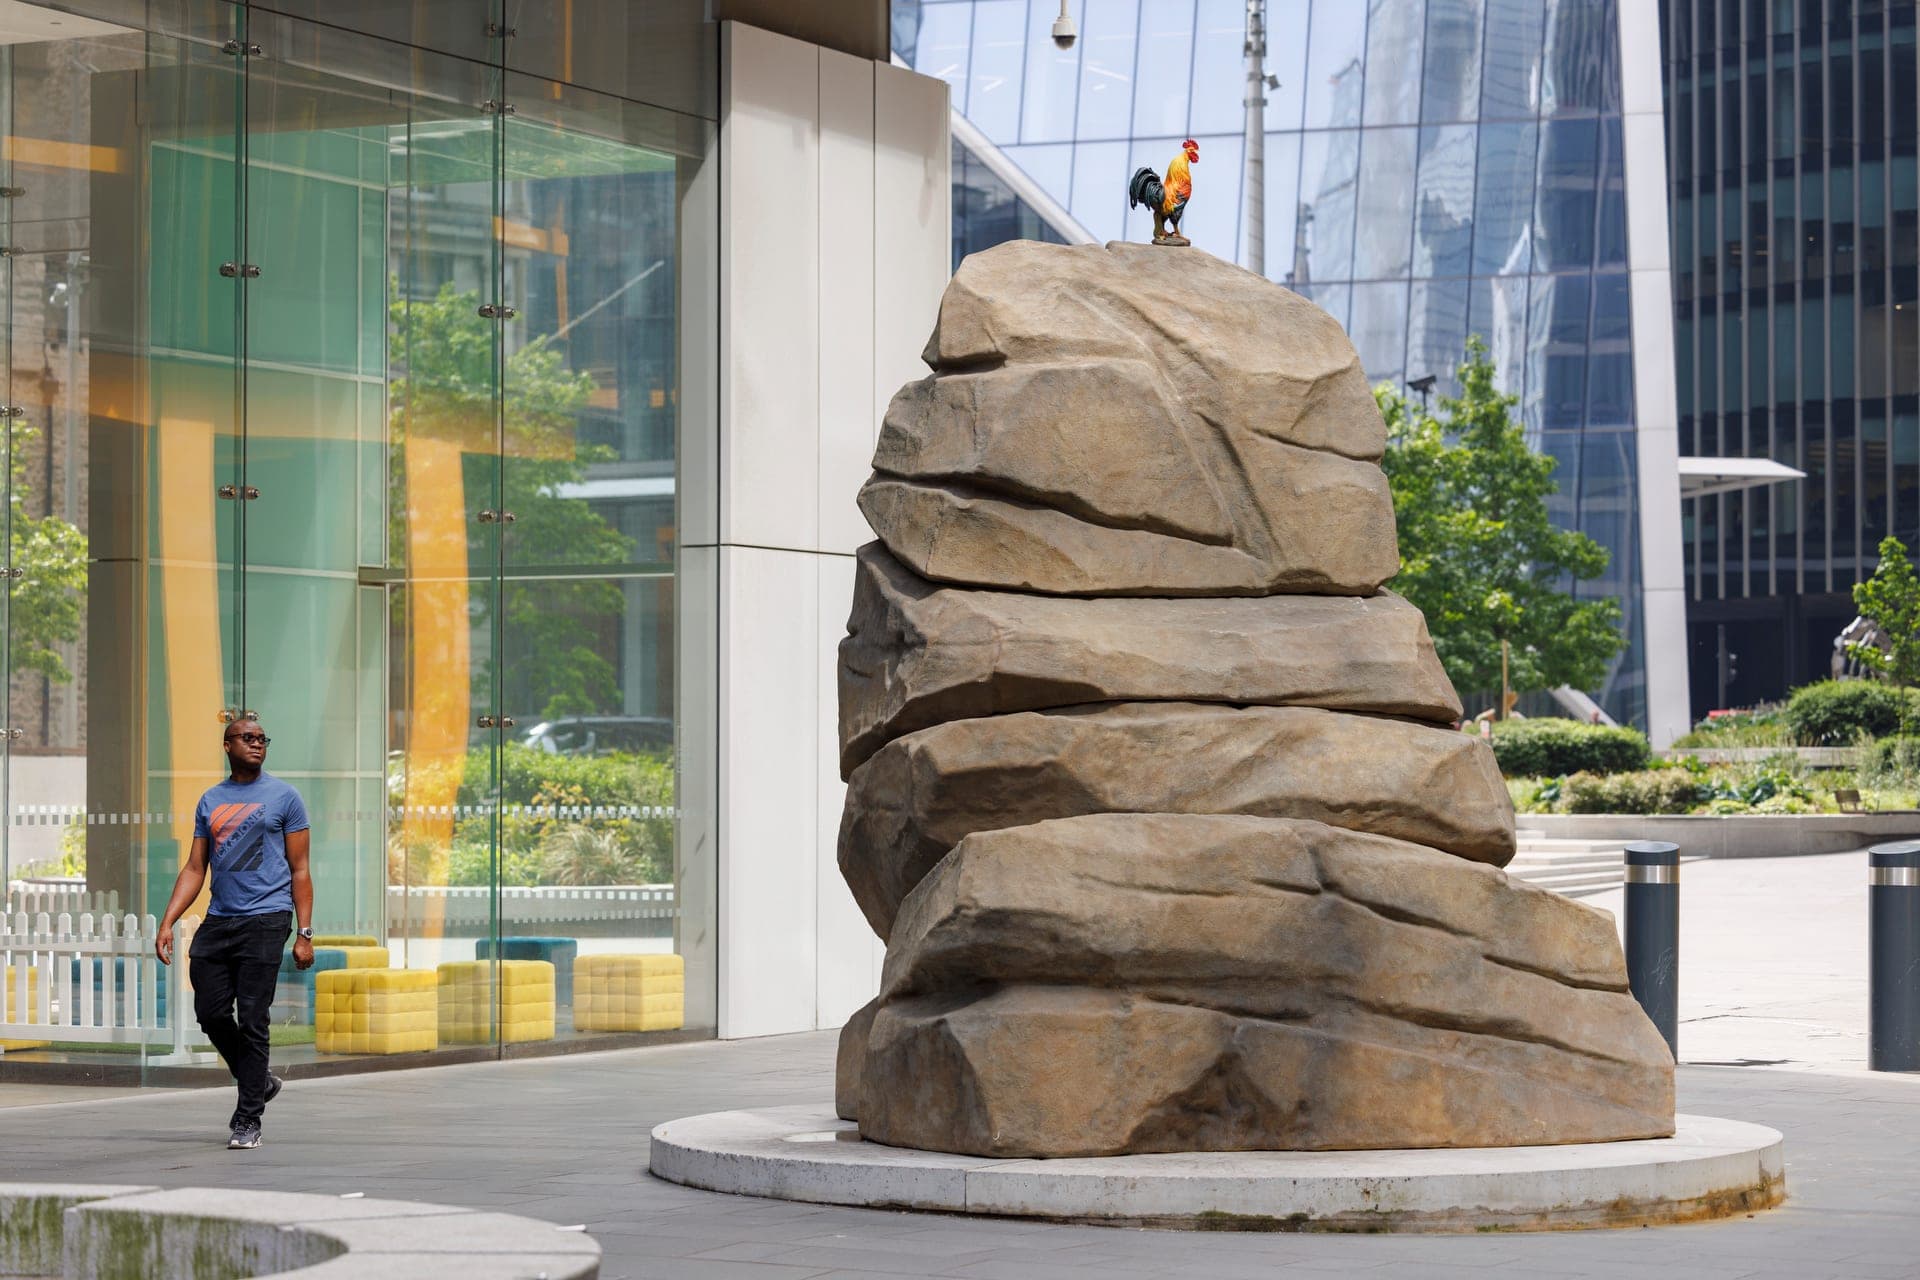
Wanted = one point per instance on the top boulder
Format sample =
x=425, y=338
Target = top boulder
x=1130, y=421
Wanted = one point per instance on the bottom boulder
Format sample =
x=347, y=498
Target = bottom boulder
x=1121, y=983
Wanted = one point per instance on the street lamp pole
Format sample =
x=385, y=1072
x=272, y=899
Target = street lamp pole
x=1255, y=149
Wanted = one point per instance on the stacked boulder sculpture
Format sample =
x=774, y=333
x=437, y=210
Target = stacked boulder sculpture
x=1153, y=791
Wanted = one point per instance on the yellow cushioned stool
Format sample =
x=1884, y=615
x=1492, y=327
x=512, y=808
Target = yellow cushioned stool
x=345, y=940
x=467, y=1001
x=375, y=1011
x=10, y=1005
x=359, y=957
x=629, y=993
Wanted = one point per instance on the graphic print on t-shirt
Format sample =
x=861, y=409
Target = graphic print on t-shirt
x=239, y=837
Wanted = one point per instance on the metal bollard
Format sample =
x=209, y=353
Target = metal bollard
x=1893, y=945
x=1653, y=933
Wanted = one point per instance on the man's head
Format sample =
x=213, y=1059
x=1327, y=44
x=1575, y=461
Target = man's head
x=246, y=744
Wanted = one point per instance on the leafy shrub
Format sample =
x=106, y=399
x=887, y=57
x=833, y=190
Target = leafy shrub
x=1760, y=727
x=1896, y=757
x=1832, y=713
x=1643, y=791
x=1531, y=748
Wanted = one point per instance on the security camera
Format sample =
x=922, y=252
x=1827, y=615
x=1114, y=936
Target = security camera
x=1064, y=33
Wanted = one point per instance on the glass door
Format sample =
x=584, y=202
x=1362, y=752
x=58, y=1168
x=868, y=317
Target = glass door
x=373, y=544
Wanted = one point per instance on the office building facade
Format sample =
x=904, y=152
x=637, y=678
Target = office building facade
x=1433, y=169
x=1796, y=267
x=431, y=380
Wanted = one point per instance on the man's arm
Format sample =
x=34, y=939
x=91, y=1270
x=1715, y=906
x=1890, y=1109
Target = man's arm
x=298, y=844
x=186, y=887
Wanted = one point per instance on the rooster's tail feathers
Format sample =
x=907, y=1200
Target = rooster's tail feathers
x=1144, y=189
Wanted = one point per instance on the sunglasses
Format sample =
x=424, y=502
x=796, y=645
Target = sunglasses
x=251, y=739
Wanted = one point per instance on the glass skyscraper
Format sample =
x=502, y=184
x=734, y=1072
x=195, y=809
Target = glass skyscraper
x=1434, y=169
x=1796, y=271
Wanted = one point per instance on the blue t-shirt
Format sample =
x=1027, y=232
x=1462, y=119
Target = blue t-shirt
x=245, y=825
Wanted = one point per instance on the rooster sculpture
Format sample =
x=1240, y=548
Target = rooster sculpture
x=1167, y=198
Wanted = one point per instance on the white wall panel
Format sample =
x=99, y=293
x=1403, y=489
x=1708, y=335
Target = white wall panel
x=913, y=232
x=850, y=954
x=697, y=449
x=848, y=412
x=697, y=745
x=770, y=740
x=770, y=288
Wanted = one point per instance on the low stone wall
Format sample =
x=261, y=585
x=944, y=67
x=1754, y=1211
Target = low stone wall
x=110, y=1232
x=1781, y=835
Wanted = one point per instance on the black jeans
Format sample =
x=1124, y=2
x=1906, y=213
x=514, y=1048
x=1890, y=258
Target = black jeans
x=235, y=964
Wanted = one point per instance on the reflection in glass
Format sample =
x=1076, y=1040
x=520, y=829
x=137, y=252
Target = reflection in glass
x=1335, y=53
x=1395, y=30
x=1503, y=199
x=1514, y=33
x=1384, y=217
x=1557, y=351
x=1099, y=188
x=1437, y=320
x=1443, y=202
x=1564, y=215
x=1574, y=60
x=1285, y=247
x=1500, y=316
x=1329, y=173
x=1379, y=329
x=1450, y=89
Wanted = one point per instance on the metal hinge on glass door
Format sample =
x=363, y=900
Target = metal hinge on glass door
x=245, y=270
x=238, y=492
x=234, y=48
x=494, y=107
x=490, y=722
x=497, y=311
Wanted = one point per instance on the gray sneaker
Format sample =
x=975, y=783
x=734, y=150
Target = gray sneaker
x=245, y=1137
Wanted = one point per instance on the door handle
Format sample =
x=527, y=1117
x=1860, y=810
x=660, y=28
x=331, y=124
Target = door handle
x=486, y=722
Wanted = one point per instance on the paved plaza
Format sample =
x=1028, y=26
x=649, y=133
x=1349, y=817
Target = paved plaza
x=1773, y=970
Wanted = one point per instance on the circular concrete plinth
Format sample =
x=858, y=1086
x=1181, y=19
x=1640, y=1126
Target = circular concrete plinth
x=1710, y=1168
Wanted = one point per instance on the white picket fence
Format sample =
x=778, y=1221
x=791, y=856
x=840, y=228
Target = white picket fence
x=523, y=908
x=54, y=899
x=94, y=981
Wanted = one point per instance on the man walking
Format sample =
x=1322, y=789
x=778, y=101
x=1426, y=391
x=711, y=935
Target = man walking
x=251, y=832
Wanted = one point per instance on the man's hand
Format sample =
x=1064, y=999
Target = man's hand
x=163, y=944
x=302, y=953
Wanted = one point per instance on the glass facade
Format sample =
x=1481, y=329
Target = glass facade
x=345, y=389
x=1434, y=169
x=1796, y=268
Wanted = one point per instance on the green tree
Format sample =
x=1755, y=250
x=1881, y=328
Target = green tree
x=44, y=603
x=1478, y=554
x=1890, y=599
x=444, y=356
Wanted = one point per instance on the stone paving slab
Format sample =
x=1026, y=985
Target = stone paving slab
x=518, y=1135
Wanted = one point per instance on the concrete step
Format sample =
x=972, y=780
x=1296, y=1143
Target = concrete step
x=1545, y=845
x=1563, y=882
x=1525, y=858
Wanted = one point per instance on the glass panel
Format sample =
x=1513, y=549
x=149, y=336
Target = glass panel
x=1052, y=86
x=1098, y=201
x=941, y=48
x=1437, y=322
x=1502, y=240
x=1514, y=33
x=1329, y=171
x=1285, y=247
x=1334, y=57
x=1379, y=329
x=1384, y=223
x=1450, y=89
x=664, y=52
x=1564, y=217
x=1166, y=65
x=1557, y=350
x=1106, y=69
x=372, y=440
x=999, y=49
x=1577, y=32
x=121, y=631
x=1500, y=316
x=594, y=243
x=1443, y=217
x=1395, y=30
x=1219, y=68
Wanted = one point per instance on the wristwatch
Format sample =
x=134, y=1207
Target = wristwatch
x=307, y=934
